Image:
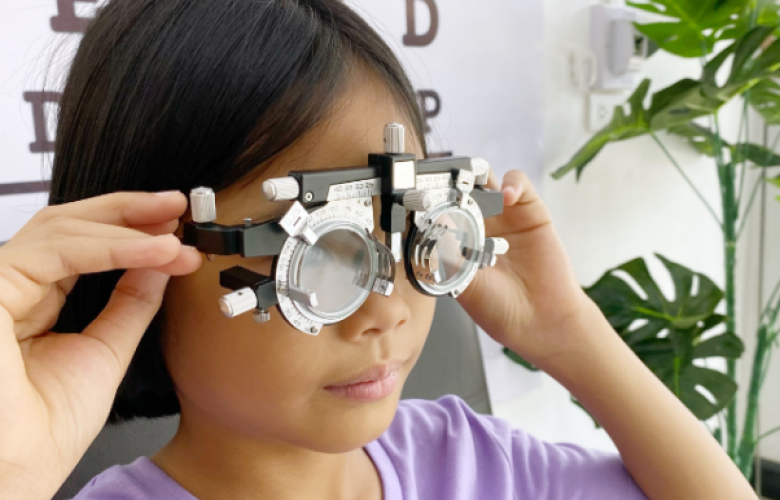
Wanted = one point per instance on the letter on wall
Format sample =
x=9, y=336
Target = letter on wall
x=66, y=20
x=411, y=38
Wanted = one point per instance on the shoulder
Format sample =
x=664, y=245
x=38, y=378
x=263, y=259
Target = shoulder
x=444, y=429
x=139, y=480
x=447, y=419
x=443, y=444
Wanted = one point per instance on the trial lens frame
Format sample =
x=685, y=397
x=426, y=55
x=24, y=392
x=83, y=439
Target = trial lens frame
x=424, y=188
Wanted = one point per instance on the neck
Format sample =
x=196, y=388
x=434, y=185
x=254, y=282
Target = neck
x=213, y=461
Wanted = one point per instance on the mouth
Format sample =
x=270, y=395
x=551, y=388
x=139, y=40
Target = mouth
x=373, y=384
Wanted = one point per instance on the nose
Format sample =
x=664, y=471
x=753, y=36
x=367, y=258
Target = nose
x=379, y=314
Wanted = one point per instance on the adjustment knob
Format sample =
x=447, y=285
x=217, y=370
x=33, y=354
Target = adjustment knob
x=203, y=204
x=481, y=169
x=394, y=138
x=280, y=189
x=238, y=302
x=261, y=316
x=417, y=200
x=496, y=246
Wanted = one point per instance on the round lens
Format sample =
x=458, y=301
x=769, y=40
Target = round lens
x=457, y=232
x=337, y=269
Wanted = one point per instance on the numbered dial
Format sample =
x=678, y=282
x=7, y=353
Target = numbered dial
x=340, y=269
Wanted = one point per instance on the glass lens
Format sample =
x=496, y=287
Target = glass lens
x=447, y=260
x=337, y=270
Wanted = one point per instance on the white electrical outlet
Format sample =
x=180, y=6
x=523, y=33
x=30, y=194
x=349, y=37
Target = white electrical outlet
x=601, y=107
x=619, y=49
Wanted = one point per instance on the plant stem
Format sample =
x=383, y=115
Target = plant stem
x=687, y=179
x=743, y=122
x=726, y=174
x=771, y=299
x=744, y=217
x=747, y=446
x=767, y=434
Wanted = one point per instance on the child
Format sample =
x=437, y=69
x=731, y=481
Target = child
x=175, y=94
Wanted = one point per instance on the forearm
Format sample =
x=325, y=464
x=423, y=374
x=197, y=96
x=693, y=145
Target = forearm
x=665, y=448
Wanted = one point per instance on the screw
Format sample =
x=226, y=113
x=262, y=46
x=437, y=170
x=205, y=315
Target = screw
x=471, y=202
x=313, y=329
x=367, y=203
x=309, y=196
x=247, y=221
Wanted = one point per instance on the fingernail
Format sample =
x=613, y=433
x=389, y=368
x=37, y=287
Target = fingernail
x=510, y=191
x=167, y=193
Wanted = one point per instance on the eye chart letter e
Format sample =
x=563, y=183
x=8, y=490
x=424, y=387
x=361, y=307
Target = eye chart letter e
x=66, y=20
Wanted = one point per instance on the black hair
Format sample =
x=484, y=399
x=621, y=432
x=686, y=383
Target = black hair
x=175, y=94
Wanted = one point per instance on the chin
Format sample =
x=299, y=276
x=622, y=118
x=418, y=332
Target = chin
x=347, y=425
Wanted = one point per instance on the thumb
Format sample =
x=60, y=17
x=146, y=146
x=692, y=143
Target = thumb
x=131, y=308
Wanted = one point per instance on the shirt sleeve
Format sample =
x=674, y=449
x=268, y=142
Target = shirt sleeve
x=474, y=454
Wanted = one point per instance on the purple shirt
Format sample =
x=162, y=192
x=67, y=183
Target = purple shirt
x=436, y=450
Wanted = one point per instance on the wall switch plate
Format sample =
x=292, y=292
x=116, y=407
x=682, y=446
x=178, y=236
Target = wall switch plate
x=601, y=107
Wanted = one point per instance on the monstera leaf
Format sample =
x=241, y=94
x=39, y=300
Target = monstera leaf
x=667, y=334
x=681, y=103
x=694, y=26
x=702, y=139
x=776, y=182
x=751, y=64
x=624, y=125
x=767, y=13
x=765, y=98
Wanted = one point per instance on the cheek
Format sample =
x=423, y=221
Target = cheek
x=267, y=380
x=244, y=374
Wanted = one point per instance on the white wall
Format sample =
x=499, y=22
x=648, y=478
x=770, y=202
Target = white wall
x=769, y=414
x=630, y=202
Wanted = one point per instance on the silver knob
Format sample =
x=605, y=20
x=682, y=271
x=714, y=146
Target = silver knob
x=262, y=316
x=238, y=302
x=418, y=200
x=203, y=204
x=394, y=138
x=280, y=189
x=481, y=169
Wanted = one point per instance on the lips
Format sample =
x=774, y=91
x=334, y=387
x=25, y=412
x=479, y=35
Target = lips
x=373, y=384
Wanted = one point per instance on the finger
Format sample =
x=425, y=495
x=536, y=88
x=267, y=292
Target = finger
x=518, y=189
x=121, y=208
x=157, y=229
x=26, y=268
x=132, y=306
x=524, y=209
x=492, y=182
x=12, y=369
x=188, y=261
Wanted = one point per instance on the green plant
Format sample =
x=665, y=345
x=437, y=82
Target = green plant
x=670, y=335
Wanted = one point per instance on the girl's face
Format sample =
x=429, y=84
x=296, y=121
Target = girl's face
x=269, y=381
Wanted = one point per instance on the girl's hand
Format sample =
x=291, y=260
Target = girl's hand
x=529, y=301
x=56, y=390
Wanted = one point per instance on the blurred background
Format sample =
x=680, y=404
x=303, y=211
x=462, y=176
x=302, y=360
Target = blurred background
x=685, y=173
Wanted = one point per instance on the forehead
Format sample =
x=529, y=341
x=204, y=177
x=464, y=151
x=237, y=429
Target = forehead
x=352, y=130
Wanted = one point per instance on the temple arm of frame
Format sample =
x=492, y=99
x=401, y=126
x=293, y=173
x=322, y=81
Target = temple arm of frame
x=318, y=183
x=450, y=164
x=491, y=202
x=264, y=287
x=261, y=240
